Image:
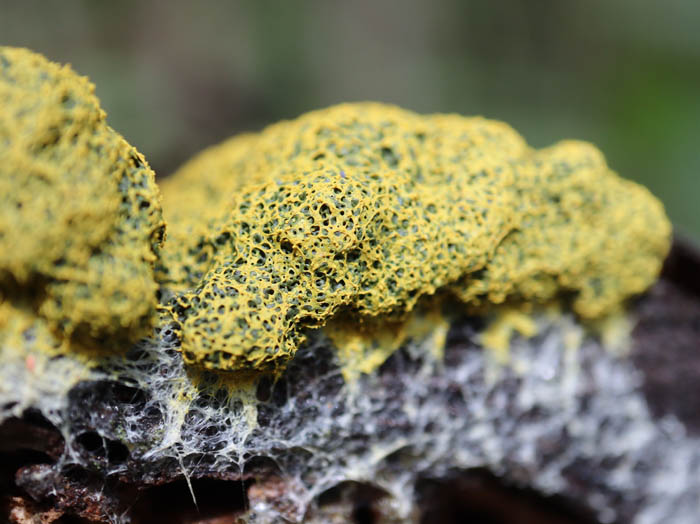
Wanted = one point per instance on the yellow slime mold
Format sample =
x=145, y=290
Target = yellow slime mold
x=80, y=220
x=365, y=208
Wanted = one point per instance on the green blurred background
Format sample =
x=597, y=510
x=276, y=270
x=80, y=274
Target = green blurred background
x=176, y=76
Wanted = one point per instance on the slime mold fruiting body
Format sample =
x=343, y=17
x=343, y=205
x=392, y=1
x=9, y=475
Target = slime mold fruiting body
x=366, y=208
x=80, y=219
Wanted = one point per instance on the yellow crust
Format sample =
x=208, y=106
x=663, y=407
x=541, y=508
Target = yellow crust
x=80, y=219
x=365, y=208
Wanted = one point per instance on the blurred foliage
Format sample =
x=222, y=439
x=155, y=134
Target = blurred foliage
x=176, y=76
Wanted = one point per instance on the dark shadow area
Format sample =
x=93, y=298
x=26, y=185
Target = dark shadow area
x=72, y=519
x=667, y=339
x=360, y=500
x=26, y=441
x=224, y=500
x=480, y=497
x=102, y=448
x=682, y=265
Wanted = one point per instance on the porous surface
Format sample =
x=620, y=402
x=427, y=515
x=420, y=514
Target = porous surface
x=366, y=208
x=80, y=219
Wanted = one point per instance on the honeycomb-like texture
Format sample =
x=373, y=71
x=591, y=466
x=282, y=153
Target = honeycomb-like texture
x=368, y=207
x=580, y=228
x=386, y=147
x=80, y=219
